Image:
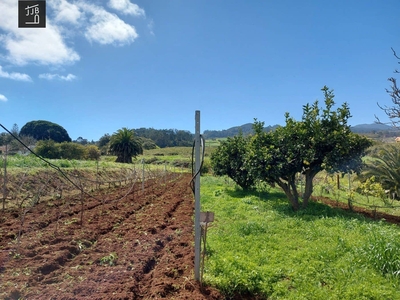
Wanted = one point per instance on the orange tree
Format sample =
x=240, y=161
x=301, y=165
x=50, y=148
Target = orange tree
x=230, y=159
x=322, y=140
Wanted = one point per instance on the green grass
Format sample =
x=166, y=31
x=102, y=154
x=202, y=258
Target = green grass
x=178, y=157
x=214, y=142
x=259, y=246
x=175, y=158
x=17, y=162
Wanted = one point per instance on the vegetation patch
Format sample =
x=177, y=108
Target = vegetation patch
x=259, y=246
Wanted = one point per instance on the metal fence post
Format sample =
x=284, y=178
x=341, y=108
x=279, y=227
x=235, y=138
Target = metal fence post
x=197, y=228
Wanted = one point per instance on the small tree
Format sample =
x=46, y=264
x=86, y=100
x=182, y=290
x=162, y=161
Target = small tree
x=124, y=145
x=229, y=159
x=372, y=188
x=48, y=149
x=92, y=152
x=103, y=143
x=70, y=150
x=322, y=140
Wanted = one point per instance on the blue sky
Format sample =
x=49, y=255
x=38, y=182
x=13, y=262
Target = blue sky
x=102, y=65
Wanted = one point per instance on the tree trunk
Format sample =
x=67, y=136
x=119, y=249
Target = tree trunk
x=308, y=186
x=292, y=195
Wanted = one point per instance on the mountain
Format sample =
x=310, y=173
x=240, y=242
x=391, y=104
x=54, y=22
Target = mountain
x=372, y=128
x=245, y=129
x=248, y=129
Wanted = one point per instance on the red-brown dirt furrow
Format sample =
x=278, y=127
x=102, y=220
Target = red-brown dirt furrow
x=140, y=247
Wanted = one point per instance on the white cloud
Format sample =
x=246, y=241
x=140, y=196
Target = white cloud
x=39, y=46
x=66, y=20
x=126, y=7
x=3, y=98
x=107, y=28
x=14, y=75
x=49, y=76
x=65, y=11
x=32, y=45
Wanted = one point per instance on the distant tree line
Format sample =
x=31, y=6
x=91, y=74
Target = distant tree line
x=166, y=137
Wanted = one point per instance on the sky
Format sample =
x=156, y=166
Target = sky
x=102, y=65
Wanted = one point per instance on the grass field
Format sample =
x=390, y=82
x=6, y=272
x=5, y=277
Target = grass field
x=259, y=246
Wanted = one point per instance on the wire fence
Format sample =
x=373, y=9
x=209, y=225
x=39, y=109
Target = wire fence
x=30, y=186
x=347, y=188
x=66, y=194
x=23, y=191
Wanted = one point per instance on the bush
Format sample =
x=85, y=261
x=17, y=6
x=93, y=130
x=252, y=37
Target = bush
x=150, y=160
x=148, y=145
x=48, y=149
x=67, y=150
x=181, y=164
x=206, y=167
x=230, y=159
x=70, y=150
x=92, y=152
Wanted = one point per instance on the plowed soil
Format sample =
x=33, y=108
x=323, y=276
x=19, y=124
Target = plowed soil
x=137, y=247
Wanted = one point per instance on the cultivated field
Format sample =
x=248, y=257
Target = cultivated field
x=121, y=231
x=135, y=245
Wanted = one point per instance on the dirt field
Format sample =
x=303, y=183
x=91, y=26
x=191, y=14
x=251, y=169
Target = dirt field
x=140, y=247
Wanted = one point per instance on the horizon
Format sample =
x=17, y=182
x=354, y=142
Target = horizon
x=102, y=65
x=226, y=129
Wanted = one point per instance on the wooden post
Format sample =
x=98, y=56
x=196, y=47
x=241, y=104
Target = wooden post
x=338, y=181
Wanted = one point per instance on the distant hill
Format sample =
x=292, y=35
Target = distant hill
x=245, y=129
x=372, y=128
x=380, y=129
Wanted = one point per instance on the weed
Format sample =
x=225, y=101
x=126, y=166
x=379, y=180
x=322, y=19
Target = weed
x=382, y=252
x=110, y=259
x=72, y=221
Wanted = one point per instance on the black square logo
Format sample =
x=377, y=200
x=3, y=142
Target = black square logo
x=32, y=14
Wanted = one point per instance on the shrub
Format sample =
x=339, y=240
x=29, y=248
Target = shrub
x=92, y=152
x=150, y=160
x=48, y=149
x=181, y=164
x=206, y=167
x=71, y=150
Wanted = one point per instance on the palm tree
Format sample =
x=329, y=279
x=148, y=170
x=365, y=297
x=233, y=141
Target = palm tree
x=124, y=145
x=385, y=166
